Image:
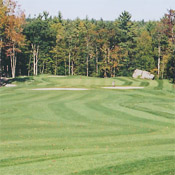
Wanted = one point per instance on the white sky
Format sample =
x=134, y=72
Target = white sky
x=107, y=9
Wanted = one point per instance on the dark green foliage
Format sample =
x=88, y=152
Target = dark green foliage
x=171, y=68
x=95, y=47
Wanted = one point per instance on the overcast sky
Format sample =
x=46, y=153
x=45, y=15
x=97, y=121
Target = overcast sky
x=106, y=9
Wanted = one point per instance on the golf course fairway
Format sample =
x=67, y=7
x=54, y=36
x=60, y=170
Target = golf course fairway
x=96, y=131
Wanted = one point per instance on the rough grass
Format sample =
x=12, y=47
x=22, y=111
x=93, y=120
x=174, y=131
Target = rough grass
x=95, y=132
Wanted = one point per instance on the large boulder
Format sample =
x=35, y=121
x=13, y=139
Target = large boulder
x=137, y=73
x=142, y=74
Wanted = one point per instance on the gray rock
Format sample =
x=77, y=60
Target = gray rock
x=142, y=74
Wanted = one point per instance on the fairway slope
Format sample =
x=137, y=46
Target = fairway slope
x=87, y=132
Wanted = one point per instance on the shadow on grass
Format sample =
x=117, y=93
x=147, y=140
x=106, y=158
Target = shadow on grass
x=163, y=165
x=19, y=79
x=160, y=85
x=144, y=84
x=126, y=82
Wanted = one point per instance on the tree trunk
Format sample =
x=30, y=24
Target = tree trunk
x=65, y=67
x=7, y=70
x=87, y=61
x=97, y=65
x=114, y=72
x=35, y=59
x=37, y=50
x=163, y=68
x=87, y=69
x=96, y=62
x=56, y=67
x=70, y=42
x=69, y=62
x=29, y=66
x=42, y=71
x=0, y=60
x=159, y=50
x=33, y=49
x=72, y=67
x=13, y=61
x=108, y=52
x=36, y=66
x=106, y=63
x=105, y=74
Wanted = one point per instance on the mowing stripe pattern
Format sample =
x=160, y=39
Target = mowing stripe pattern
x=94, y=132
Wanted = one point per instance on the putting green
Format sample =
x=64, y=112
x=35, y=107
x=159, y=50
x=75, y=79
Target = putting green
x=94, y=132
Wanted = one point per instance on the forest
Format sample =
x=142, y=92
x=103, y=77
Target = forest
x=46, y=44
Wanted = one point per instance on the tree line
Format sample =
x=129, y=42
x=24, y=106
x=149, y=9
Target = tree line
x=47, y=44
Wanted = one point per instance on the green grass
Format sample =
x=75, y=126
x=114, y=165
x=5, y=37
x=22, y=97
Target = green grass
x=95, y=132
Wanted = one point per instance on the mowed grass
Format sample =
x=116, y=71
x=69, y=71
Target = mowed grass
x=94, y=132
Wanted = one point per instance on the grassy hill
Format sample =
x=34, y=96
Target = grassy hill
x=94, y=132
